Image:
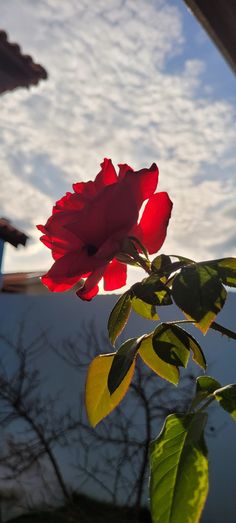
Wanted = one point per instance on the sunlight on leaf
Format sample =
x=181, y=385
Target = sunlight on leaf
x=205, y=387
x=164, y=370
x=99, y=403
x=179, y=470
x=146, y=310
x=226, y=270
x=207, y=384
x=173, y=344
x=169, y=345
x=199, y=293
x=119, y=317
x=161, y=264
x=226, y=396
x=122, y=362
x=152, y=290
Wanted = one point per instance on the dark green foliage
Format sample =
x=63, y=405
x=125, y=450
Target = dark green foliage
x=161, y=264
x=206, y=385
x=122, y=362
x=227, y=399
x=198, y=291
x=173, y=344
x=152, y=290
x=226, y=270
x=119, y=316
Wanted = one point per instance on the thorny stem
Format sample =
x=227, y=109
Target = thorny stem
x=143, y=263
x=130, y=254
x=223, y=330
x=215, y=326
x=205, y=405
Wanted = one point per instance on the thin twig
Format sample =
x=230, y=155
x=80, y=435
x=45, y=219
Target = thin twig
x=225, y=332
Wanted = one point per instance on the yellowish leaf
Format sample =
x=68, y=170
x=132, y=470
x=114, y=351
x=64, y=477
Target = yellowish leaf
x=165, y=370
x=144, y=309
x=98, y=400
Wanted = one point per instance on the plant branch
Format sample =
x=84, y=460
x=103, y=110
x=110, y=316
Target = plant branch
x=225, y=332
x=205, y=405
x=215, y=326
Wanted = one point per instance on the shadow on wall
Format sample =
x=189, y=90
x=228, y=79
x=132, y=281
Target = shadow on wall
x=64, y=349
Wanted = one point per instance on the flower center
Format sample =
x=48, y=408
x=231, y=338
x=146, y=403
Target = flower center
x=91, y=249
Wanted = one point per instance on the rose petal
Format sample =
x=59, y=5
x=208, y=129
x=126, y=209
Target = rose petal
x=61, y=239
x=59, y=247
x=115, y=209
x=90, y=288
x=57, y=252
x=88, y=295
x=123, y=169
x=69, y=201
x=152, y=228
x=143, y=183
x=115, y=275
x=56, y=282
x=86, y=190
x=107, y=175
x=42, y=229
x=88, y=228
x=69, y=269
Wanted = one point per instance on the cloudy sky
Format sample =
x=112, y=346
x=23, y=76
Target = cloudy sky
x=135, y=81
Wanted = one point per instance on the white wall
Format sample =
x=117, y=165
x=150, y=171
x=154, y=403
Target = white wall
x=65, y=314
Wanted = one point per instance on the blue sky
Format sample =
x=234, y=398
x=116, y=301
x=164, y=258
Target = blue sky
x=134, y=81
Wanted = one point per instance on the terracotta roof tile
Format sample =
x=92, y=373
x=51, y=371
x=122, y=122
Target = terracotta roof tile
x=19, y=282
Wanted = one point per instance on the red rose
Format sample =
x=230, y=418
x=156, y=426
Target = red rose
x=89, y=226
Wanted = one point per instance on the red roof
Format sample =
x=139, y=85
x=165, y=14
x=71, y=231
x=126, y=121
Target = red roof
x=17, y=69
x=20, y=282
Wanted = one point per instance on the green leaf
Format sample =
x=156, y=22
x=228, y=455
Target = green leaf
x=179, y=470
x=98, y=400
x=161, y=264
x=173, y=344
x=205, y=386
x=198, y=354
x=161, y=368
x=227, y=398
x=164, y=296
x=144, y=309
x=199, y=293
x=119, y=317
x=140, y=245
x=122, y=362
x=183, y=259
x=152, y=290
x=226, y=270
x=169, y=343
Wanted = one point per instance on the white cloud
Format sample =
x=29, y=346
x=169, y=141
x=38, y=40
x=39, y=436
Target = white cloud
x=111, y=93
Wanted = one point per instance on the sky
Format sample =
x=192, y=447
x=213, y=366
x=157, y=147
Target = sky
x=135, y=81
